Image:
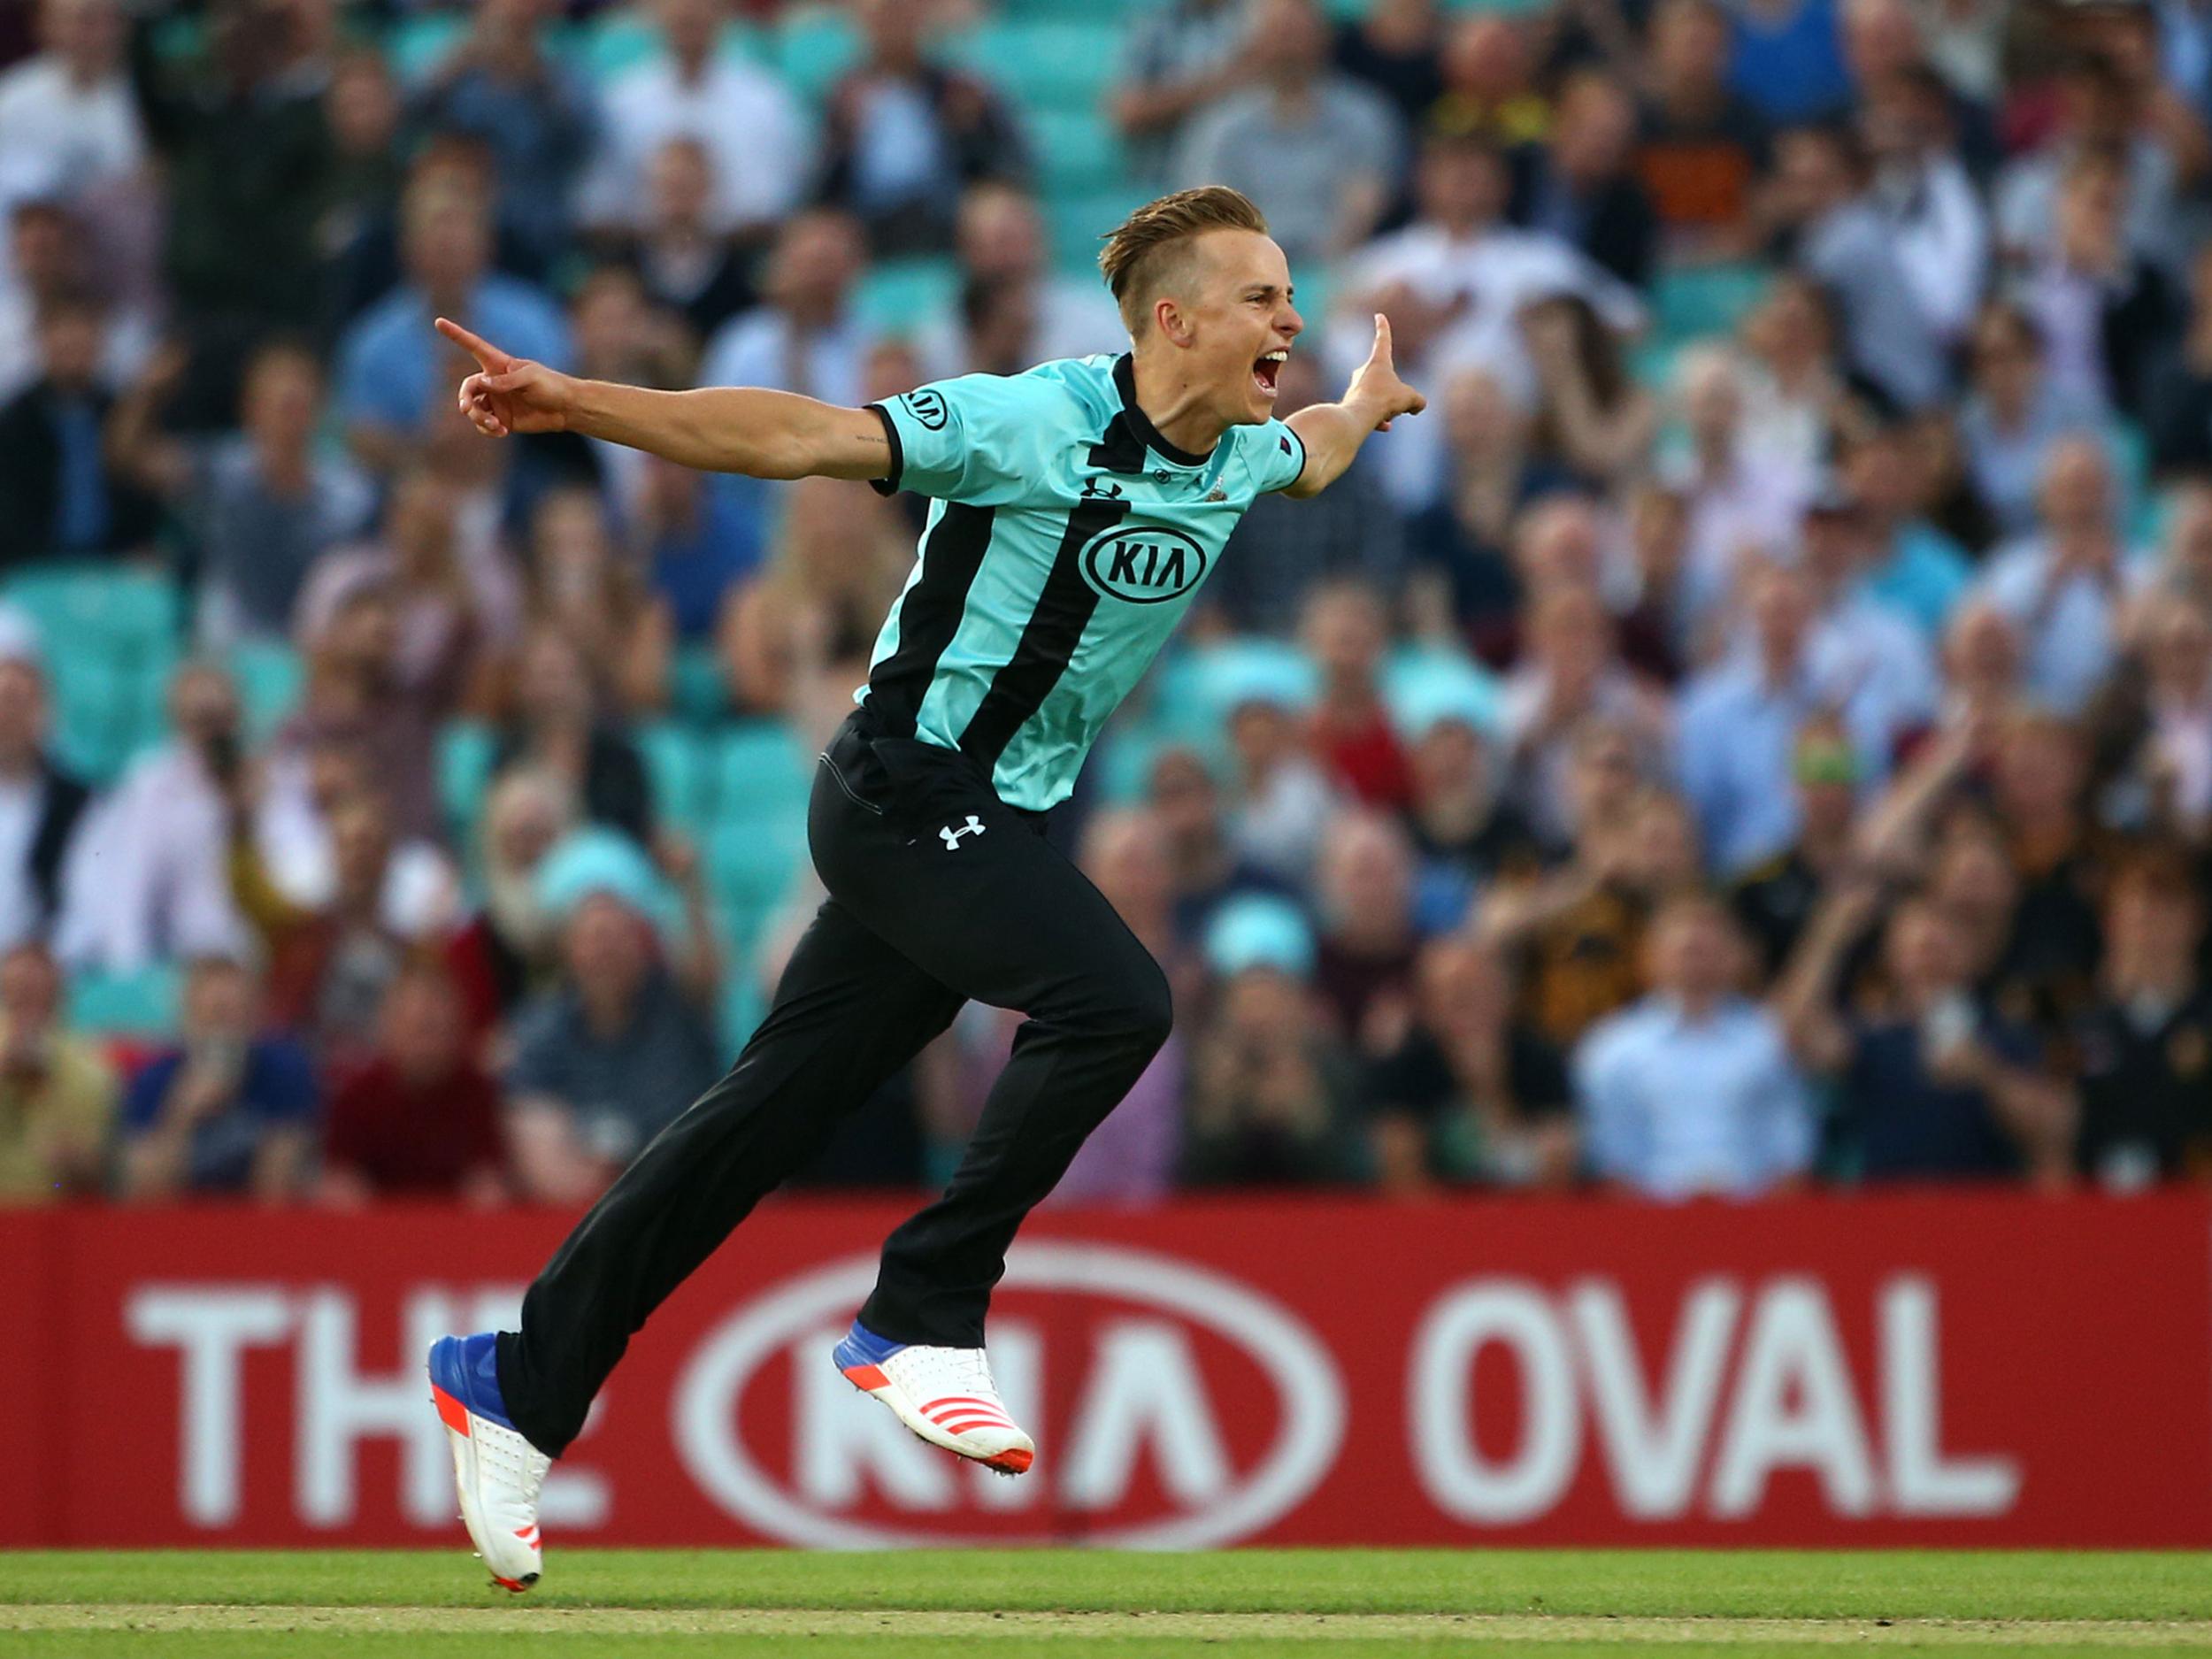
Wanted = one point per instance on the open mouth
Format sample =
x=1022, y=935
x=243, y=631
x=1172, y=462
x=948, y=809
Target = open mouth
x=1264, y=370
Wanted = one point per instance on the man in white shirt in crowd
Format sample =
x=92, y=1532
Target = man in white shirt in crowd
x=1692, y=1091
x=804, y=337
x=67, y=116
x=739, y=112
x=1459, y=278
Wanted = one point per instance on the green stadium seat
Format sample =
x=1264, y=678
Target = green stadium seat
x=466, y=748
x=141, y=1004
x=418, y=46
x=1064, y=63
x=1077, y=222
x=269, y=676
x=814, y=46
x=695, y=687
x=743, y=1006
x=761, y=772
x=1077, y=149
x=675, y=759
x=104, y=607
x=898, y=296
x=1692, y=305
x=750, y=869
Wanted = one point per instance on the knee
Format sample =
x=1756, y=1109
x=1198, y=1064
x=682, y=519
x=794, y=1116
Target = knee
x=1146, y=1011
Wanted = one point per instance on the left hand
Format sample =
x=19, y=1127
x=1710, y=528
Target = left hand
x=1375, y=389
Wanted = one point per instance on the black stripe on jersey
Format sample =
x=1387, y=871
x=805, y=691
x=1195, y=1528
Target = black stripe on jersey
x=1055, y=627
x=929, y=615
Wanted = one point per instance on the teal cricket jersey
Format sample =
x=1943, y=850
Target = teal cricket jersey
x=1066, y=541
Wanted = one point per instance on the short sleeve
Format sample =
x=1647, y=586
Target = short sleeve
x=1279, y=456
x=979, y=438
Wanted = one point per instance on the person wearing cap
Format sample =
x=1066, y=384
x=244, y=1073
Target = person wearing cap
x=1773, y=900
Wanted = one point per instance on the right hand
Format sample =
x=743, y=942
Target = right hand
x=509, y=395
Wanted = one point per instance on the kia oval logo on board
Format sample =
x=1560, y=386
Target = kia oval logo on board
x=1136, y=1373
x=1144, y=564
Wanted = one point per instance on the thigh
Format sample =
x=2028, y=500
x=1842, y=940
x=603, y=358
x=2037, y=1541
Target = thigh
x=964, y=888
x=854, y=995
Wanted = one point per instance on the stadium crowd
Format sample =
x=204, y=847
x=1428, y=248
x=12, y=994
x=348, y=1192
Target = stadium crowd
x=1755, y=730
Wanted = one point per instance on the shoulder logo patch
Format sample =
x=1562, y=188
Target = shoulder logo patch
x=927, y=407
x=1143, y=564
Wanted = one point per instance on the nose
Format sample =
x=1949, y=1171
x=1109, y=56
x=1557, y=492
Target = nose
x=1288, y=323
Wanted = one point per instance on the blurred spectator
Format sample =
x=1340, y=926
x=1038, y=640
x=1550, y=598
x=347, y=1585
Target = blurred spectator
x=58, y=495
x=2103, y=309
x=331, y=964
x=500, y=87
x=2145, y=1050
x=1273, y=1089
x=1791, y=384
x=368, y=170
x=1701, y=149
x=1489, y=82
x=1316, y=149
x=1742, y=504
x=902, y=135
x=42, y=806
x=1692, y=1090
x=503, y=952
x=1395, y=46
x=149, y=880
x=1461, y=817
x=2012, y=413
x=1821, y=197
x=796, y=640
x=1570, y=672
x=1181, y=60
x=1581, y=187
x=68, y=123
x=696, y=542
x=419, y=1119
x=228, y=1110
x=1363, y=959
x=1000, y=242
x=1282, y=548
x=1345, y=631
x=1490, y=474
x=743, y=132
x=356, y=699
x=394, y=375
x=1788, y=58
x=803, y=336
x=1923, y=193
x=581, y=586
x=1932, y=1083
x=1867, y=649
x=2177, y=413
x=686, y=264
x=1206, y=867
x=248, y=160
x=260, y=505
x=49, y=261
x=1576, y=934
x=1981, y=667
x=1469, y=1093
x=2167, y=711
x=557, y=729
x=1774, y=901
x=1283, y=801
x=2059, y=584
x=1131, y=1157
x=1455, y=283
x=1593, y=420
x=608, y=1059
x=58, y=1096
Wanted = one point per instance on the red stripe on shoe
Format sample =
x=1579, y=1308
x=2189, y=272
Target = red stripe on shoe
x=1012, y=1460
x=450, y=1411
x=869, y=1377
x=967, y=1414
x=962, y=1425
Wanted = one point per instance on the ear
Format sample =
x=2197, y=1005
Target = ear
x=1168, y=316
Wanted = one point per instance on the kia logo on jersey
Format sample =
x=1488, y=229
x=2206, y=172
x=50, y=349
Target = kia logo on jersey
x=1144, y=564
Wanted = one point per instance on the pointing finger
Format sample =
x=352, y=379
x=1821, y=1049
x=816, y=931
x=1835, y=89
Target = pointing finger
x=1381, y=353
x=490, y=356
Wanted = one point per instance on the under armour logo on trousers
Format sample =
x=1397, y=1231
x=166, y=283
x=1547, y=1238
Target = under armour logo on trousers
x=951, y=836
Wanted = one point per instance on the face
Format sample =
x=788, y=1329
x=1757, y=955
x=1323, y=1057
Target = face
x=2143, y=925
x=1570, y=634
x=680, y=183
x=202, y=707
x=606, y=944
x=1126, y=855
x=2180, y=648
x=360, y=845
x=1344, y=632
x=1596, y=126
x=362, y=106
x=22, y=709
x=1780, y=610
x=1689, y=43
x=1713, y=401
x=1663, y=845
x=609, y=321
x=1462, y=984
x=1000, y=233
x=815, y=263
x=690, y=25
x=449, y=243
x=2077, y=489
x=1183, y=798
x=87, y=35
x=30, y=988
x=282, y=398
x=1478, y=416
x=1880, y=38
x=1486, y=55
x=69, y=346
x=520, y=827
x=1983, y=648
x=1925, y=950
x=1558, y=547
x=421, y=1026
x=1287, y=39
x=42, y=244
x=1460, y=184
x=1366, y=875
x=1231, y=315
x=2040, y=767
x=554, y=686
x=1446, y=759
x=1693, y=953
x=2006, y=362
x=219, y=1002
x=1812, y=177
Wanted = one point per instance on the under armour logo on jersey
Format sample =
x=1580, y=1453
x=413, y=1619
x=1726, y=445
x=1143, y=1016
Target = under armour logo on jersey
x=1091, y=492
x=951, y=836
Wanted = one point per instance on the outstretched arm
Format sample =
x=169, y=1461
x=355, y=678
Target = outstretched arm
x=1333, y=433
x=717, y=429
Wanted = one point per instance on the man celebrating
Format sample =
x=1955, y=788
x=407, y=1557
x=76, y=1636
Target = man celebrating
x=1078, y=507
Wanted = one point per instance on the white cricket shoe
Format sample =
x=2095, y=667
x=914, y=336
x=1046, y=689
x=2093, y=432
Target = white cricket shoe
x=498, y=1471
x=944, y=1395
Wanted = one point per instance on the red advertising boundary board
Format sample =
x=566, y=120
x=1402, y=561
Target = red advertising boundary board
x=1922, y=1368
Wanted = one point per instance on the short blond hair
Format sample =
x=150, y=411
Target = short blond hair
x=1152, y=243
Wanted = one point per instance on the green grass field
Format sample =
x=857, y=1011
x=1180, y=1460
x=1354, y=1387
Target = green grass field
x=1309, y=1604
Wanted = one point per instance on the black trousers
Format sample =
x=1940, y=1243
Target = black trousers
x=938, y=893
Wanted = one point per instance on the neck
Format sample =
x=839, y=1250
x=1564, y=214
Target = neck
x=1176, y=408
